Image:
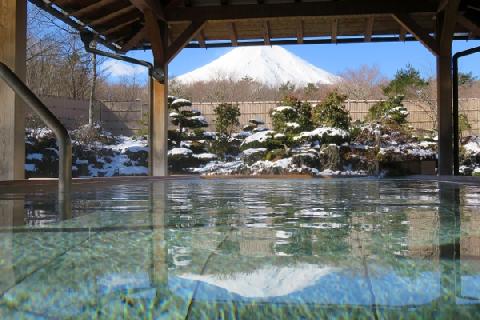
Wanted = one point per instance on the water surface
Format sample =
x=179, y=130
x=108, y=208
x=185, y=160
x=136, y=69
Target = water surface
x=244, y=249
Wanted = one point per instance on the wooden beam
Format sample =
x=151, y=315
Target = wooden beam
x=233, y=34
x=151, y=5
x=266, y=33
x=92, y=8
x=334, y=30
x=369, y=29
x=120, y=26
x=201, y=39
x=443, y=4
x=300, y=31
x=184, y=38
x=112, y=16
x=156, y=37
x=418, y=32
x=135, y=40
x=449, y=23
x=468, y=24
x=303, y=9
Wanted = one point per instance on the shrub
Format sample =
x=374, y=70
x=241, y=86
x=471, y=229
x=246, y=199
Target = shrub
x=226, y=118
x=389, y=111
x=331, y=112
x=463, y=124
x=189, y=121
x=292, y=115
x=226, y=122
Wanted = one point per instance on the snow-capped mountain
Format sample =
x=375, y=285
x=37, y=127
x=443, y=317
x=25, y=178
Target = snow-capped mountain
x=272, y=66
x=267, y=282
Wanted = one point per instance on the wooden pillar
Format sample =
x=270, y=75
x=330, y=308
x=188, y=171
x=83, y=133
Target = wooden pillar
x=444, y=113
x=159, y=127
x=13, y=21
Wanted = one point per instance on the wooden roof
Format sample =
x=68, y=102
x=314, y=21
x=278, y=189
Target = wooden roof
x=121, y=24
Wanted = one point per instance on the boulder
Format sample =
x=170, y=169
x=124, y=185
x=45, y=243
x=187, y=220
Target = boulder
x=330, y=158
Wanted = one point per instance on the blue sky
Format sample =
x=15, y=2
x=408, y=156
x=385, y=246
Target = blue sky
x=388, y=57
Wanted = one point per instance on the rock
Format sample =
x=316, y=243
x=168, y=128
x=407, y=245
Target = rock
x=256, y=122
x=330, y=158
x=250, y=156
x=306, y=159
x=140, y=157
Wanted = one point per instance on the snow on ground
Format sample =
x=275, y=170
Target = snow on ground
x=35, y=156
x=220, y=168
x=266, y=167
x=30, y=167
x=129, y=144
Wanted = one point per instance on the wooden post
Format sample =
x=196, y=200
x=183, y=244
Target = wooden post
x=13, y=21
x=444, y=113
x=159, y=127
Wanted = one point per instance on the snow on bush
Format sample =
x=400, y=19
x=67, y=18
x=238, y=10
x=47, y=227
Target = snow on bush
x=472, y=147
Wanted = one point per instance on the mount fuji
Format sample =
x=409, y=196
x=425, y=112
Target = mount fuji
x=272, y=66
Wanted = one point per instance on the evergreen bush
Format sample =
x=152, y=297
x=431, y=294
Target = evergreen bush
x=331, y=112
x=389, y=111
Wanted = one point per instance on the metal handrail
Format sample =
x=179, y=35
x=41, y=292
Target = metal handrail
x=455, y=108
x=63, y=138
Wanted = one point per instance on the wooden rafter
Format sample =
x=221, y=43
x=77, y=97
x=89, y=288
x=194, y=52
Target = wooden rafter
x=303, y=9
x=233, y=34
x=369, y=29
x=151, y=5
x=300, y=31
x=112, y=16
x=184, y=38
x=92, y=8
x=468, y=24
x=157, y=38
x=443, y=4
x=266, y=33
x=120, y=26
x=334, y=30
x=135, y=40
x=420, y=34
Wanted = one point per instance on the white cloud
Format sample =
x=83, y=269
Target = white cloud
x=117, y=69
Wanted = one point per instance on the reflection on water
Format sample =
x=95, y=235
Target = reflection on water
x=244, y=249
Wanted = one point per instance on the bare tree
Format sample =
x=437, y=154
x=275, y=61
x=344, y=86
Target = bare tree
x=363, y=83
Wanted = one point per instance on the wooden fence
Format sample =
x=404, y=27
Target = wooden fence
x=420, y=117
x=126, y=117
x=118, y=117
